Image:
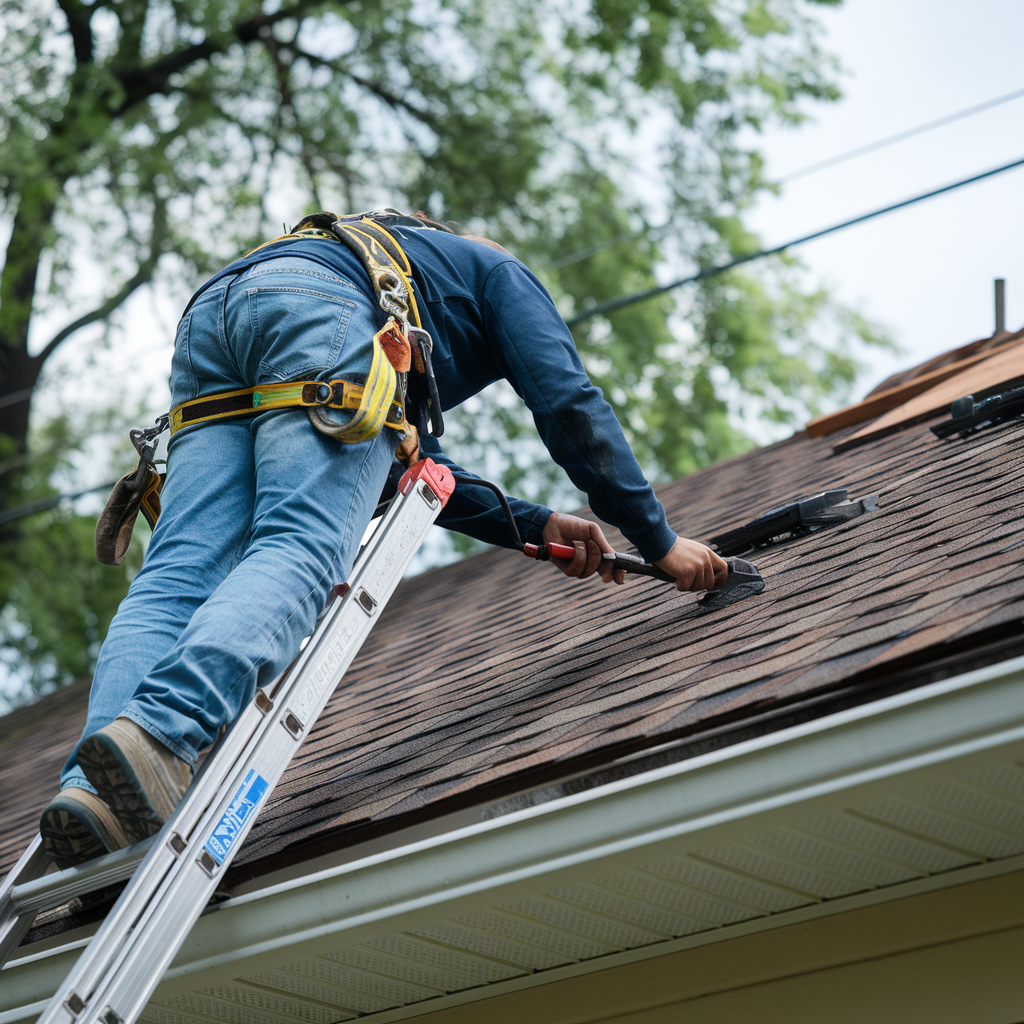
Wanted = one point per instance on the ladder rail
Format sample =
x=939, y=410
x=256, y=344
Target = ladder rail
x=114, y=977
x=130, y=980
x=145, y=882
x=27, y=889
x=15, y=921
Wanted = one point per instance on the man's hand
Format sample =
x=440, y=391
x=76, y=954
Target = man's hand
x=694, y=566
x=586, y=537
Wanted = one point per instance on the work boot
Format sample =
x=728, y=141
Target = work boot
x=77, y=826
x=140, y=779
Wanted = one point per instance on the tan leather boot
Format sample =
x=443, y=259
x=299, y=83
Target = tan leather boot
x=77, y=826
x=136, y=775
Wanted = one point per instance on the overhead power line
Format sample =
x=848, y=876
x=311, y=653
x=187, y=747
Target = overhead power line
x=900, y=136
x=44, y=504
x=15, y=397
x=592, y=250
x=627, y=300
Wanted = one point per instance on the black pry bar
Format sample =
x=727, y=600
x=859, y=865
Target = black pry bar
x=635, y=564
x=741, y=572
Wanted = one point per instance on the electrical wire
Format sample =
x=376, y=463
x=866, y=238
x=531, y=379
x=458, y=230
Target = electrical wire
x=476, y=481
x=900, y=136
x=652, y=233
x=627, y=300
x=44, y=504
x=15, y=397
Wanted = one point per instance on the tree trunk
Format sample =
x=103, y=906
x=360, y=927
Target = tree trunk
x=18, y=370
x=20, y=373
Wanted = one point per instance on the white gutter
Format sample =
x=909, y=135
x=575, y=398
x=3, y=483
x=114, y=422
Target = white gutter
x=885, y=739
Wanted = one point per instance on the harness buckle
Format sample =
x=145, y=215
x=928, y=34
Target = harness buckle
x=393, y=302
x=392, y=296
x=145, y=439
x=423, y=348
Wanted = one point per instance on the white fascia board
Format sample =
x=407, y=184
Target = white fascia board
x=874, y=743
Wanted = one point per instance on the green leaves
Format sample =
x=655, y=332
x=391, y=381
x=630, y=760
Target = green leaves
x=58, y=599
x=60, y=602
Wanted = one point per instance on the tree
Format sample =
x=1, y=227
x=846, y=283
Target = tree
x=160, y=137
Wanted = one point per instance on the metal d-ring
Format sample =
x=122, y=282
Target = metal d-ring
x=320, y=420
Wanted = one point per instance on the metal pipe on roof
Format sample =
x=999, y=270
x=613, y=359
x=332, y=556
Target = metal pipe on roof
x=1000, y=306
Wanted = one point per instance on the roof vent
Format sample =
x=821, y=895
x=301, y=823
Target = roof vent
x=969, y=416
x=796, y=519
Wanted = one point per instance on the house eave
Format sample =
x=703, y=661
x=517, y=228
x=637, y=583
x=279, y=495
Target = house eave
x=866, y=751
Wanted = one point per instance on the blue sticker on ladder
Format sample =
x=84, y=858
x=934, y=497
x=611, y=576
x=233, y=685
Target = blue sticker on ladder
x=242, y=807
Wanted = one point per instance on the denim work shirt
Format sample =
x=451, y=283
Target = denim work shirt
x=491, y=319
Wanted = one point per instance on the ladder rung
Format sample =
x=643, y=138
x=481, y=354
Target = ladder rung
x=57, y=888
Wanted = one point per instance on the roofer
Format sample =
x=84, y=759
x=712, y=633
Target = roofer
x=261, y=514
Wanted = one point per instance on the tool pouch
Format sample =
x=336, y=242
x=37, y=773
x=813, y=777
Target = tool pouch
x=408, y=452
x=137, y=491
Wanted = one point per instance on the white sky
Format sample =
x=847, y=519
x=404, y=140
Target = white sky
x=926, y=271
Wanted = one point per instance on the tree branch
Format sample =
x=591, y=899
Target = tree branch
x=141, y=276
x=306, y=150
x=393, y=100
x=141, y=83
x=79, y=26
x=157, y=237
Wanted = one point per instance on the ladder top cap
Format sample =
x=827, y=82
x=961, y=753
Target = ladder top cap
x=439, y=478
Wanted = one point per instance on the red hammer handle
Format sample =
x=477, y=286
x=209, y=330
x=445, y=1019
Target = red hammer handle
x=631, y=563
x=543, y=552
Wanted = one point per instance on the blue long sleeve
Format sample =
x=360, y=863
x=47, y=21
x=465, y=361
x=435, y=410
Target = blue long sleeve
x=579, y=428
x=475, y=511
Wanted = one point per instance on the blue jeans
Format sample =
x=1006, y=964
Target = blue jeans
x=260, y=517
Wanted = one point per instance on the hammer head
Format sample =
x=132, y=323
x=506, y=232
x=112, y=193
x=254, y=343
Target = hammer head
x=743, y=581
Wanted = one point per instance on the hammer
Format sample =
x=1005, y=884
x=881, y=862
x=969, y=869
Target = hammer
x=743, y=581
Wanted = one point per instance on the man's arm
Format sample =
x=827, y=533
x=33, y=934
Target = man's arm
x=534, y=350
x=537, y=355
x=475, y=511
x=694, y=566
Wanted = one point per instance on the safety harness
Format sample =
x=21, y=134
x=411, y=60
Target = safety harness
x=400, y=390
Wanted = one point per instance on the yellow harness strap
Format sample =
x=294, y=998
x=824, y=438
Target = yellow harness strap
x=385, y=261
x=373, y=402
x=376, y=404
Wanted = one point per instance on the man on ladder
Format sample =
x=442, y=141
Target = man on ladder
x=261, y=514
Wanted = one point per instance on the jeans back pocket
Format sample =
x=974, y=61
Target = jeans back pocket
x=296, y=331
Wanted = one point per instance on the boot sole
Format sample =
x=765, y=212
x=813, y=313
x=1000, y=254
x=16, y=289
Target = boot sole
x=67, y=841
x=106, y=767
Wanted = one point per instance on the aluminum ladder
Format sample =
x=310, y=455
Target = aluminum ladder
x=174, y=874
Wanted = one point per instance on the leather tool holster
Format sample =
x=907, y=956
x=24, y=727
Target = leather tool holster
x=137, y=491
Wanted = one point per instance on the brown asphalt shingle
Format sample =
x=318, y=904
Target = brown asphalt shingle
x=498, y=674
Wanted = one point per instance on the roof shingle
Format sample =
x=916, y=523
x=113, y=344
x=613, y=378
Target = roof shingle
x=498, y=675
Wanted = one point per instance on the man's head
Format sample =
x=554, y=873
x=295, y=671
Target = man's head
x=456, y=229
x=488, y=241
x=324, y=220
